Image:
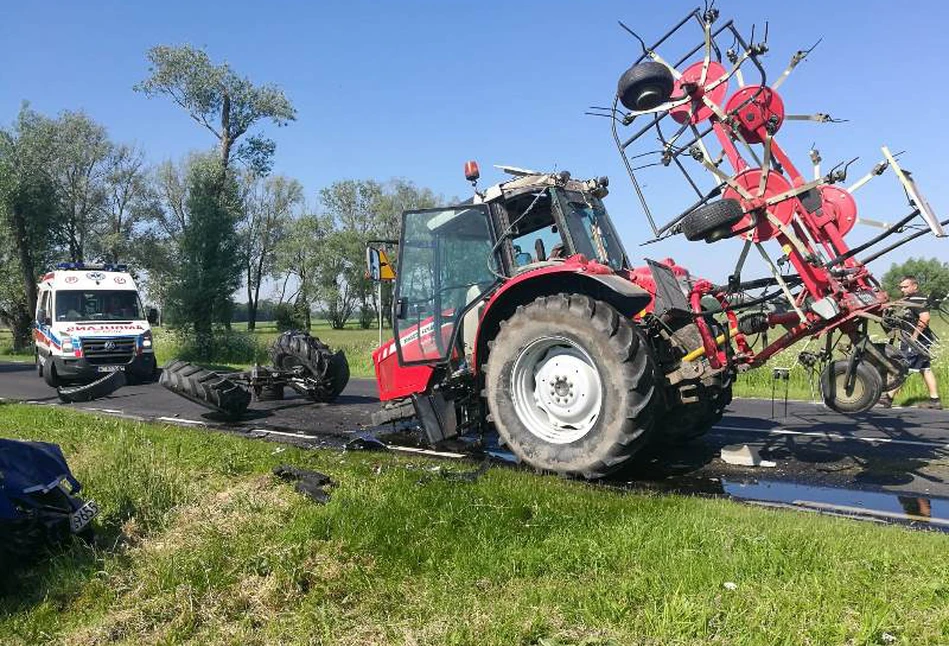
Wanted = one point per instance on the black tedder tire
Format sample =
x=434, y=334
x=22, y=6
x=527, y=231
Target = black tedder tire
x=101, y=387
x=712, y=221
x=866, y=390
x=205, y=387
x=891, y=380
x=645, y=86
x=571, y=386
x=328, y=371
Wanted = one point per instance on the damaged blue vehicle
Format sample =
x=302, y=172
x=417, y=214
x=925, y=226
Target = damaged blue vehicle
x=39, y=505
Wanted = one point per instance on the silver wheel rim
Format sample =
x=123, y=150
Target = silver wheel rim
x=557, y=390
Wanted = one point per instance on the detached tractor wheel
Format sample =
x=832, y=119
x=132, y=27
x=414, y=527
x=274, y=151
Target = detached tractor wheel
x=891, y=380
x=712, y=221
x=645, y=86
x=205, y=387
x=866, y=391
x=571, y=386
x=325, y=372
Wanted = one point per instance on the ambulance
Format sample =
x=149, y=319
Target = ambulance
x=89, y=322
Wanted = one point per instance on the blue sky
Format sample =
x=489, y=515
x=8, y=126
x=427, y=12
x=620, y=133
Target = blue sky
x=413, y=89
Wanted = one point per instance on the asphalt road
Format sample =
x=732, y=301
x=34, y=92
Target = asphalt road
x=893, y=461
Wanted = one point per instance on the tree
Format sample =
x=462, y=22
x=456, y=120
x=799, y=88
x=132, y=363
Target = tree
x=28, y=210
x=299, y=257
x=220, y=100
x=210, y=255
x=81, y=168
x=268, y=207
x=932, y=274
x=131, y=207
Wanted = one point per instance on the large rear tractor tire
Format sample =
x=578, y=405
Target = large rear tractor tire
x=205, y=387
x=326, y=373
x=866, y=391
x=571, y=386
x=690, y=421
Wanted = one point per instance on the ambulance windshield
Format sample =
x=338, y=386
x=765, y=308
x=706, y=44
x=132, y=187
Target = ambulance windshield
x=104, y=305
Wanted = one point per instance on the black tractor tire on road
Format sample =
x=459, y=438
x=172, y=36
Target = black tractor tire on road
x=270, y=394
x=205, y=387
x=592, y=336
x=645, y=86
x=866, y=391
x=101, y=387
x=330, y=370
x=394, y=411
x=712, y=221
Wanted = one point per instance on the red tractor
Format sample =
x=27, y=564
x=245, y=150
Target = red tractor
x=520, y=308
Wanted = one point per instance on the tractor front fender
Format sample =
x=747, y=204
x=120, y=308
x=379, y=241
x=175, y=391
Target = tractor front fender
x=589, y=280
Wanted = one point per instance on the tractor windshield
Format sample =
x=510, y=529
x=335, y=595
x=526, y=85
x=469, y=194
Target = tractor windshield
x=591, y=230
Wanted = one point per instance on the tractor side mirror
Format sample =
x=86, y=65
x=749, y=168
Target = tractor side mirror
x=152, y=316
x=399, y=307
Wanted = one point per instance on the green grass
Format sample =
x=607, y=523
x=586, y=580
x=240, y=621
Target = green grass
x=6, y=348
x=200, y=545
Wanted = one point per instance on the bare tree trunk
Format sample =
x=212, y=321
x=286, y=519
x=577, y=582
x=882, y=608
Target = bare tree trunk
x=226, y=141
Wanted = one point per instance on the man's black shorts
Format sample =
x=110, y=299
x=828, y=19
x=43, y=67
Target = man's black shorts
x=918, y=362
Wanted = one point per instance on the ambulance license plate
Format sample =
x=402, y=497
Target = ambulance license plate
x=82, y=516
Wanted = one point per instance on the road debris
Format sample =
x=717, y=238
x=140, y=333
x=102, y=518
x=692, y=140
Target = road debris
x=311, y=484
x=744, y=455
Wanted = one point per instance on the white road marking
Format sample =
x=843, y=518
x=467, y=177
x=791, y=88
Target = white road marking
x=833, y=436
x=178, y=420
x=111, y=411
x=296, y=435
x=826, y=506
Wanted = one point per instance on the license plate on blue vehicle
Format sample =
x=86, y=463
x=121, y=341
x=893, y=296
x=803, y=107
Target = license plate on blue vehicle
x=83, y=516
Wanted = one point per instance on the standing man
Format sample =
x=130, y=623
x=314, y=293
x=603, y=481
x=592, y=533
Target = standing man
x=916, y=343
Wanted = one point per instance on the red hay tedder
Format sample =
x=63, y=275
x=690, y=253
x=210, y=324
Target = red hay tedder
x=519, y=311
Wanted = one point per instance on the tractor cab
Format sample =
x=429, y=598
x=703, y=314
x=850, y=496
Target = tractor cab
x=452, y=258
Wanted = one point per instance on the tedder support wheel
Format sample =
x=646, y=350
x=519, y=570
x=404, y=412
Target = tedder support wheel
x=891, y=380
x=326, y=372
x=205, y=387
x=866, y=391
x=712, y=221
x=645, y=86
x=571, y=386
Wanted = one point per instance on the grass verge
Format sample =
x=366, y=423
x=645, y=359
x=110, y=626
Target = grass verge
x=201, y=545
